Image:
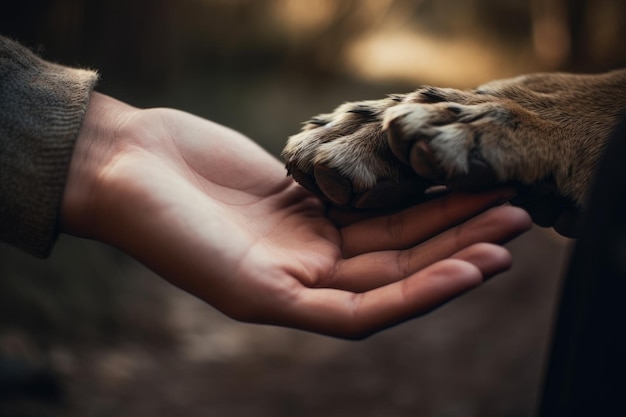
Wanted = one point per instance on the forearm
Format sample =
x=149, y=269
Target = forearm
x=42, y=106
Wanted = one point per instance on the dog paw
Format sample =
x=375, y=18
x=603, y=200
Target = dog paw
x=383, y=152
x=543, y=133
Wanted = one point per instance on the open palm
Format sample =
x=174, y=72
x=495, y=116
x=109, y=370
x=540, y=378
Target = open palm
x=213, y=213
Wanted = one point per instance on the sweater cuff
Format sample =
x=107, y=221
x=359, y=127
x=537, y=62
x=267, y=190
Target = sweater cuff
x=42, y=106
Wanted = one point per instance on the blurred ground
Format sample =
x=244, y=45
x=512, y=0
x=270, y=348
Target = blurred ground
x=119, y=341
x=165, y=353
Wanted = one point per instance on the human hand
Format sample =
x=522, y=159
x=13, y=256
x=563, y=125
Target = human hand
x=213, y=213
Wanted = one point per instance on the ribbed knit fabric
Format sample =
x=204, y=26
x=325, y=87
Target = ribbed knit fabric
x=42, y=106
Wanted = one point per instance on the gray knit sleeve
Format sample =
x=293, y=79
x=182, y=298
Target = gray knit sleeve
x=42, y=106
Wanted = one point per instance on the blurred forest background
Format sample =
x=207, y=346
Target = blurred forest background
x=90, y=332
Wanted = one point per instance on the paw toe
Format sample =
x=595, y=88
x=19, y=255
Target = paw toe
x=335, y=186
x=424, y=163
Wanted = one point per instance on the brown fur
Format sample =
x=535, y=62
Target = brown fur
x=534, y=129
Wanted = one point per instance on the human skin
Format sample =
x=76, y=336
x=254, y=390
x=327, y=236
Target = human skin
x=213, y=213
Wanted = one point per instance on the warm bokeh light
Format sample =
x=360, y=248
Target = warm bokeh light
x=420, y=58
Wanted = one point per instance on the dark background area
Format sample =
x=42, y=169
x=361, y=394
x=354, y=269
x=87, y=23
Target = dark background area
x=105, y=337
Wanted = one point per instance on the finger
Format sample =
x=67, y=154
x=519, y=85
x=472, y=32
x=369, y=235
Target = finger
x=418, y=223
x=348, y=315
x=367, y=271
x=487, y=257
x=497, y=225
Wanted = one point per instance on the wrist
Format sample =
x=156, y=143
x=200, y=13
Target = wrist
x=96, y=147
